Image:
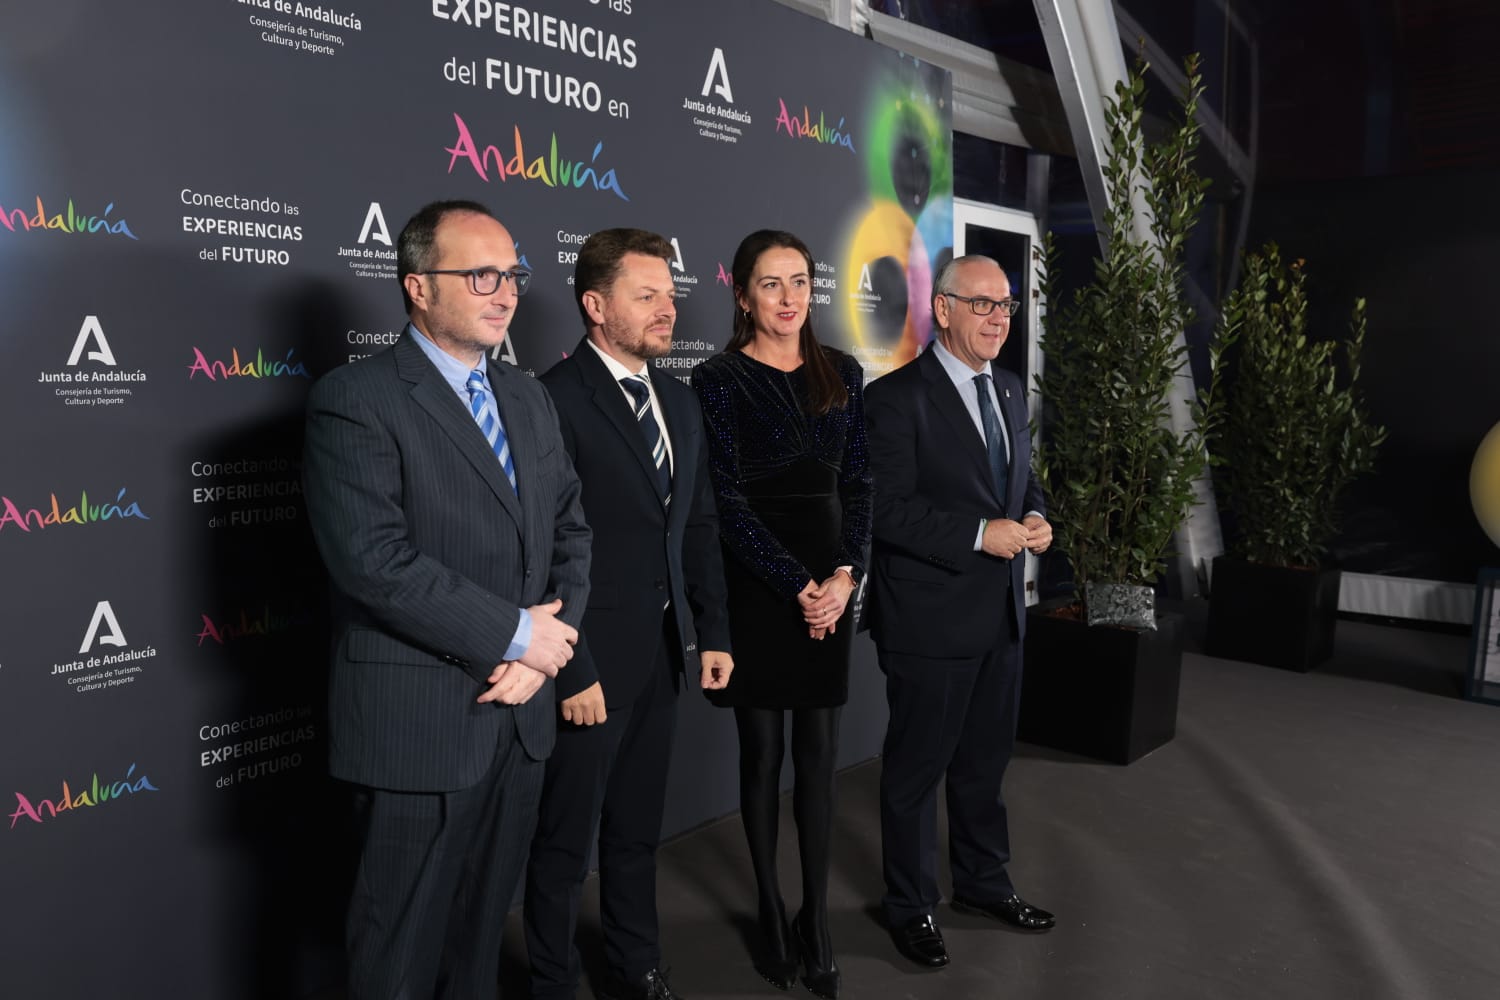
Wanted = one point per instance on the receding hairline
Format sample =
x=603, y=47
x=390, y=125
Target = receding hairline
x=947, y=276
x=465, y=213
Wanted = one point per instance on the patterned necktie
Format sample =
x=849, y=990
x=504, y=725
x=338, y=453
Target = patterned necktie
x=640, y=391
x=993, y=434
x=489, y=423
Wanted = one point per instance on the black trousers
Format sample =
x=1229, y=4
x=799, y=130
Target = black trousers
x=953, y=719
x=611, y=777
x=437, y=872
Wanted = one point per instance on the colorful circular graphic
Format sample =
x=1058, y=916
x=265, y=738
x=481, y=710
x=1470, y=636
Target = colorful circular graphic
x=876, y=275
x=1484, y=484
x=908, y=155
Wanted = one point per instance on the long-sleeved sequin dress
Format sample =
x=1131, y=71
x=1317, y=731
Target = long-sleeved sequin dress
x=794, y=497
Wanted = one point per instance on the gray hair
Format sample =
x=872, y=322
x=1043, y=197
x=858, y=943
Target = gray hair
x=946, y=280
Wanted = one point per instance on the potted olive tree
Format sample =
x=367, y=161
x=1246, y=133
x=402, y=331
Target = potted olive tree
x=1295, y=433
x=1102, y=672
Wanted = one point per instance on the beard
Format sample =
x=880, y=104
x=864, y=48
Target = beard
x=638, y=343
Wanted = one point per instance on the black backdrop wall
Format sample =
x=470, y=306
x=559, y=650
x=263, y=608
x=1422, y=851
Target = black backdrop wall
x=1420, y=248
x=198, y=202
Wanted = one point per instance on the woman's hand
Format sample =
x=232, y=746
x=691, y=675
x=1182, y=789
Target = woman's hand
x=823, y=603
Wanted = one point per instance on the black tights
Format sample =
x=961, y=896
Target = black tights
x=815, y=738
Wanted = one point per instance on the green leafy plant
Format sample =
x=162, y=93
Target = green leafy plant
x=1119, y=480
x=1296, y=431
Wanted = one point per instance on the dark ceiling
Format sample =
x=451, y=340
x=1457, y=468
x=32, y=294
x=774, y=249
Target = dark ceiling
x=1346, y=88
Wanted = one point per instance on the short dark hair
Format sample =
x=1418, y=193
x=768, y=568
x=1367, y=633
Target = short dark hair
x=416, y=247
x=599, y=258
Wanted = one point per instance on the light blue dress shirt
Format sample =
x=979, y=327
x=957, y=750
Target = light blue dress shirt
x=456, y=374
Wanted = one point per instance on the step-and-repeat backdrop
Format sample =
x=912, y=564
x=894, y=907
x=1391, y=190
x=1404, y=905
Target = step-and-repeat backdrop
x=198, y=206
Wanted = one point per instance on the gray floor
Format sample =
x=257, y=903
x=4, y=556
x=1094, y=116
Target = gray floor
x=1319, y=836
x=1305, y=836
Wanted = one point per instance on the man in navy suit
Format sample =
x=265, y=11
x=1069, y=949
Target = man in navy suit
x=636, y=440
x=448, y=515
x=956, y=508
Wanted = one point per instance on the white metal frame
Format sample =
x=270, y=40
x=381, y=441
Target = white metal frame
x=972, y=213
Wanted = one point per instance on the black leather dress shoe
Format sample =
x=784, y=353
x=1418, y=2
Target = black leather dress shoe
x=651, y=986
x=920, y=940
x=1012, y=910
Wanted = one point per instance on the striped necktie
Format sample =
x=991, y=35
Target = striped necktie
x=640, y=391
x=489, y=423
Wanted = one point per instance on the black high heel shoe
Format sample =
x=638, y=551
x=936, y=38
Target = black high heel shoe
x=777, y=960
x=821, y=972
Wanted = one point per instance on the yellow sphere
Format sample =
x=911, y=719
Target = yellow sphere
x=1484, y=484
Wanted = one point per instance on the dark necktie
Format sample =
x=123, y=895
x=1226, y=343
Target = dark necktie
x=489, y=423
x=646, y=420
x=993, y=433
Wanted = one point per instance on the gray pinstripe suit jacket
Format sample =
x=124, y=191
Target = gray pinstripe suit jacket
x=432, y=555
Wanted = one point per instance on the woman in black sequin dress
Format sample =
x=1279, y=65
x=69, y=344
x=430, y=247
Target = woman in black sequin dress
x=788, y=460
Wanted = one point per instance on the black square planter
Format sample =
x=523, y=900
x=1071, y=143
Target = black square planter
x=1274, y=615
x=1100, y=691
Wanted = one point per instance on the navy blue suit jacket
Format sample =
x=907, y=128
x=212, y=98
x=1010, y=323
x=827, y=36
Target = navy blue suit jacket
x=931, y=593
x=645, y=552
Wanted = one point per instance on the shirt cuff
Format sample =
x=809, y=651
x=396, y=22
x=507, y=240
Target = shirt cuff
x=522, y=639
x=979, y=535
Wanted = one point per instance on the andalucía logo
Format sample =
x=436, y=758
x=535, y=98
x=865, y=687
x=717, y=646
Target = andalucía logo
x=96, y=794
x=246, y=625
x=723, y=276
x=91, y=344
x=89, y=671
x=16, y=220
x=235, y=368
x=553, y=170
x=14, y=515
x=806, y=128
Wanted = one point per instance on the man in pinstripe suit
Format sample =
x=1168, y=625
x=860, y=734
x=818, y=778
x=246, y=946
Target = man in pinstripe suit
x=447, y=512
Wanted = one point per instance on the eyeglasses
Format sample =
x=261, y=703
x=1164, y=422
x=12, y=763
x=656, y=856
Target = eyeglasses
x=983, y=307
x=487, y=280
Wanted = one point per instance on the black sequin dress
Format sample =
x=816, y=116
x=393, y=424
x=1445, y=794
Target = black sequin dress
x=794, y=497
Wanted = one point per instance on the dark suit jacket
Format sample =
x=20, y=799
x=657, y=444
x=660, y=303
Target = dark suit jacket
x=644, y=553
x=432, y=555
x=931, y=593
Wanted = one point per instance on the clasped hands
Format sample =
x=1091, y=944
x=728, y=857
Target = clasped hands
x=513, y=682
x=823, y=603
x=1006, y=538
x=587, y=707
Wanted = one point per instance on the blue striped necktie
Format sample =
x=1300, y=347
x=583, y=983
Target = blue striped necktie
x=489, y=423
x=640, y=391
x=993, y=434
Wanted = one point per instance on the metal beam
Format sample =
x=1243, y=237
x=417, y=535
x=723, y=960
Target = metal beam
x=1083, y=42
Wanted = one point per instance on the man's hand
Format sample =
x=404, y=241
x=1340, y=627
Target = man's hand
x=1039, y=533
x=551, y=640
x=714, y=670
x=823, y=605
x=512, y=683
x=1006, y=538
x=586, y=708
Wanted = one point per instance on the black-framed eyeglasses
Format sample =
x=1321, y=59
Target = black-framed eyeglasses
x=982, y=306
x=487, y=280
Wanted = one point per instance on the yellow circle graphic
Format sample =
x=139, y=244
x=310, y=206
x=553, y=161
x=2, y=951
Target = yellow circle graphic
x=1484, y=484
